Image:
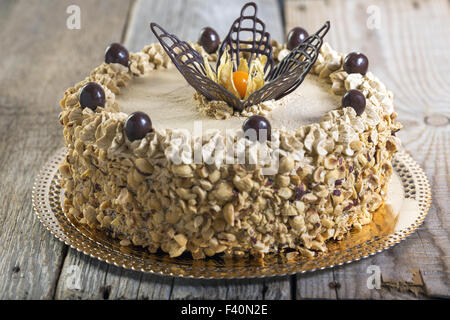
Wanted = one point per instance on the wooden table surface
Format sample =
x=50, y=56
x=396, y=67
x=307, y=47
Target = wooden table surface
x=407, y=42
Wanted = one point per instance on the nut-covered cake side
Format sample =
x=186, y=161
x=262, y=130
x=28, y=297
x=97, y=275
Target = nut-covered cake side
x=332, y=174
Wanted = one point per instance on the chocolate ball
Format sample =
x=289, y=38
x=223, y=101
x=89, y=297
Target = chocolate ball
x=92, y=96
x=117, y=53
x=355, y=99
x=256, y=123
x=295, y=37
x=137, y=125
x=356, y=62
x=209, y=40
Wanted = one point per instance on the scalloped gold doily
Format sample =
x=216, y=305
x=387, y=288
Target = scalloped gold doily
x=386, y=230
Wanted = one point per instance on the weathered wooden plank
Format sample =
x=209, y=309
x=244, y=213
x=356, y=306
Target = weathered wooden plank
x=83, y=277
x=40, y=59
x=408, y=51
x=187, y=18
x=249, y=289
x=397, y=266
x=319, y=284
x=98, y=280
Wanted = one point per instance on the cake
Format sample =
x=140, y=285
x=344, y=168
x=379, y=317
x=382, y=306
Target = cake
x=156, y=164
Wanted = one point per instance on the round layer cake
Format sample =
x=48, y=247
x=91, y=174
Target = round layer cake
x=182, y=188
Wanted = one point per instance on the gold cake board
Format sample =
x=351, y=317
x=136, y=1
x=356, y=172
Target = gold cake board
x=408, y=203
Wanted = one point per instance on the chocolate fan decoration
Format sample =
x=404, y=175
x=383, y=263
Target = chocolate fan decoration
x=281, y=80
x=300, y=60
x=259, y=44
x=190, y=64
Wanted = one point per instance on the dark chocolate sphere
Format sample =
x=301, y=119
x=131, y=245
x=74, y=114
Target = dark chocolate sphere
x=295, y=37
x=117, y=53
x=92, y=96
x=256, y=123
x=137, y=125
x=209, y=40
x=356, y=62
x=355, y=99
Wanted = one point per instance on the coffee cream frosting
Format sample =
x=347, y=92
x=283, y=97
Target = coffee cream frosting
x=331, y=175
x=172, y=103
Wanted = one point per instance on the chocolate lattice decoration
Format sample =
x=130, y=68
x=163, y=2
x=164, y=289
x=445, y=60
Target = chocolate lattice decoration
x=238, y=41
x=298, y=62
x=281, y=80
x=190, y=64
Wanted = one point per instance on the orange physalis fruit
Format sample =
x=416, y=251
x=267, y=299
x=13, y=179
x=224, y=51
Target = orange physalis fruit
x=240, y=79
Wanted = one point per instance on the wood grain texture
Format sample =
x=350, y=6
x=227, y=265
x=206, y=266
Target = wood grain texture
x=250, y=289
x=38, y=55
x=187, y=18
x=100, y=281
x=409, y=53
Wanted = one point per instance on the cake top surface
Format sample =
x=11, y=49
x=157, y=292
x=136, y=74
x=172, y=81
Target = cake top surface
x=245, y=73
x=172, y=103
